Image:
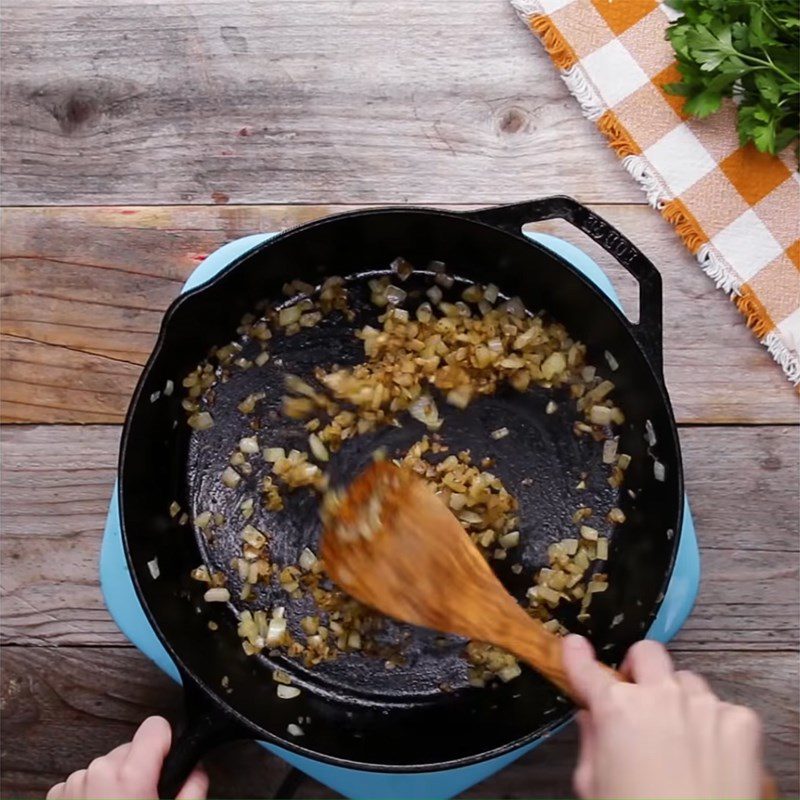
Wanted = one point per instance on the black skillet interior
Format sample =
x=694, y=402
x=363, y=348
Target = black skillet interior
x=361, y=714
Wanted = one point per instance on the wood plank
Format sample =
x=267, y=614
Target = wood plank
x=64, y=706
x=742, y=483
x=85, y=289
x=302, y=101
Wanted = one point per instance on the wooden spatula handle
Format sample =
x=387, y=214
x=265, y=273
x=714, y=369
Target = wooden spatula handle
x=529, y=640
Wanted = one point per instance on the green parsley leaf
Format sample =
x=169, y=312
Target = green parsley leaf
x=748, y=50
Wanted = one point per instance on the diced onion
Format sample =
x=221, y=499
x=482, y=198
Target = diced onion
x=395, y=295
x=294, y=730
x=155, y=571
x=424, y=312
x=551, y=407
x=500, y=433
x=600, y=415
x=424, y=409
x=590, y=534
x=201, y=421
x=402, y=268
x=434, y=295
x=296, y=384
x=495, y=345
x=253, y=536
x=318, y=449
x=612, y=362
x=287, y=692
x=261, y=358
x=553, y=365
x=246, y=507
x=472, y=294
x=307, y=559
x=616, y=515
x=400, y=314
x=659, y=471
x=169, y=388
x=508, y=540
x=444, y=280
x=249, y=445
x=290, y=315
x=460, y=396
x=230, y=477
x=610, y=450
x=624, y=460
x=649, y=433
x=569, y=546
x=273, y=454
x=457, y=501
x=217, y=594
x=514, y=307
x=276, y=631
x=510, y=672
x=490, y=293
x=202, y=519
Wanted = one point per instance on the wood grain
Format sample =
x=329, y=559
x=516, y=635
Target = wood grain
x=85, y=288
x=64, y=706
x=296, y=101
x=57, y=481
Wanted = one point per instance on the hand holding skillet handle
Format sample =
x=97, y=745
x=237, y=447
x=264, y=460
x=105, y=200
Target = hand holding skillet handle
x=392, y=544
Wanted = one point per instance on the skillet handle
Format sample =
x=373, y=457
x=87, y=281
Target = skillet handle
x=203, y=728
x=649, y=330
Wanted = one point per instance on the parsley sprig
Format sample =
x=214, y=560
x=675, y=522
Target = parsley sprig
x=745, y=49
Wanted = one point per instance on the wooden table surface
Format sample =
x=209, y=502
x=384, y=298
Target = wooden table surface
x=139, y=136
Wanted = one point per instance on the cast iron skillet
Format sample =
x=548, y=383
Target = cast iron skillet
x=361, y=715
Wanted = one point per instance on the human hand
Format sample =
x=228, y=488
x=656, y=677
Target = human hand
x=131, y=771
x=664, y=735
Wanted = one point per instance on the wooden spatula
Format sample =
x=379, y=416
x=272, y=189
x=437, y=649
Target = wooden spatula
x=392, y=544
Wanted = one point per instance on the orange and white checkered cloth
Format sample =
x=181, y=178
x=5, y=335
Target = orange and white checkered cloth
x=736, y=209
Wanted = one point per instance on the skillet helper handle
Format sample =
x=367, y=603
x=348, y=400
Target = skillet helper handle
x=203, y=728
x=648, y=331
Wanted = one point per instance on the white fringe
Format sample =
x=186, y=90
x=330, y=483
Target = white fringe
x=657, y=195
x=716, y=269
x=527, y=8
x=648, y=180
x=584, y=92
x=783, y=355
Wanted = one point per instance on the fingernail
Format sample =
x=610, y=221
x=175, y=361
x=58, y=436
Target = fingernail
x=576, y=644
